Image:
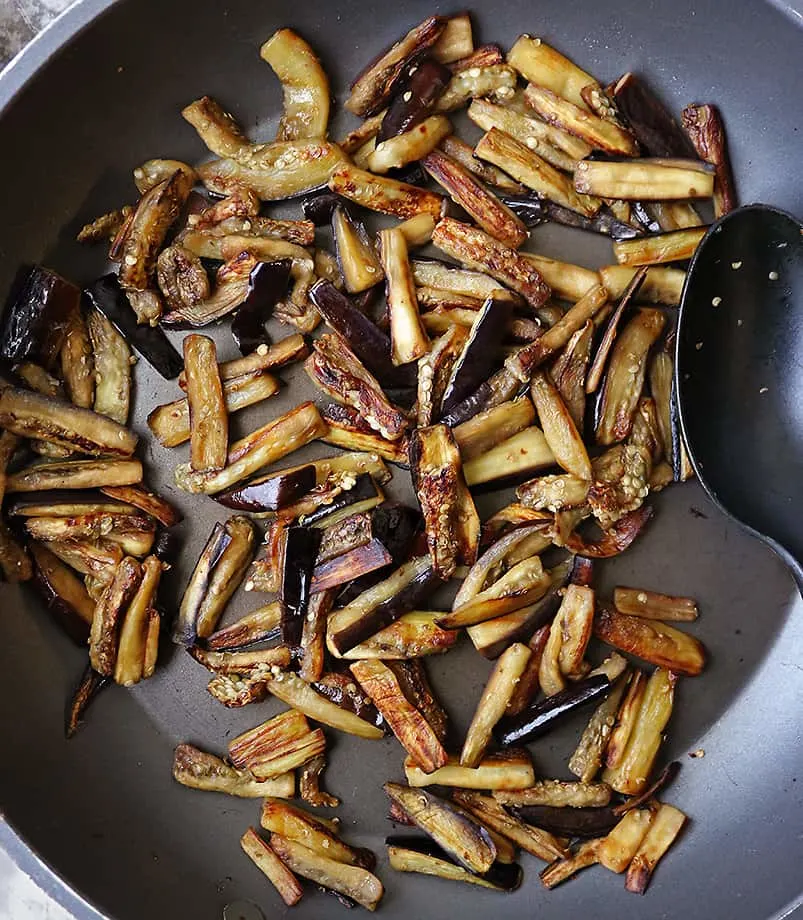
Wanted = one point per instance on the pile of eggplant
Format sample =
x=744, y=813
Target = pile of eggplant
x=475, y=365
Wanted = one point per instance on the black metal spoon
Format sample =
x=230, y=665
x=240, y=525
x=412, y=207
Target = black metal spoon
x=739, y=373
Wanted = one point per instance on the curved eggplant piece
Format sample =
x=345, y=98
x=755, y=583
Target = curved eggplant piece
x=413, y=635
x=181, y=277
x=422, y=82
x=106, y=295
x=341, y=690
x=365, y=339
x=616, y=539
x=267, y=284
x=480, y=353
x=304, y=83
x=271, y=493
x=261, y=625
x=380, y=78
x=584, y=823
x=88, y=688
x=418, y=854
x=544, y=715
x=37, y=316
x=462, y=838
x=185, y=631
x=64, y=594
x=703, y=124
x=309, y=784
x=379, y=606
x=300, y=549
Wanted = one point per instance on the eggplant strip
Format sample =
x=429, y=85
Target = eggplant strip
x=408, y=339
x=297, y=693
x=64, y=594
x=451, y=520
x=353, y=882
x=216, y=127
x=313, y=635
x=304, y=84
x=199, y=770
x=262, y=447
x=523, y=453
x=97, y=558
x=347, y=431
x=266, y=860
x=539, y=63
x=557, y=793
x=88, y=688
x=495, y=79
x=577, y=120
x=408, y=724
x=31, y=415
x=641, y=180
x=490, y=428
x=508, y=770
x=481, y=252
x=485, y=208
x=413, y=635
x=653, y=606
x=493, y=702
x=538, y=842
x=703, y=124
x=664, y=829
x=676, y=246
x=338, y=372
x=559, y=429
x=533, y=171
x=388, y=196
x=130, y=664
x=75, y=474
x=227, y=573
x=617, y=849
x=411, y=855
x=463, y=153
x=410, y=146
x=561, y=870
x=112, y=365
x=459, y=835
x=108, y=616
x=149, y=502
x=209, y=428
x=77, y=362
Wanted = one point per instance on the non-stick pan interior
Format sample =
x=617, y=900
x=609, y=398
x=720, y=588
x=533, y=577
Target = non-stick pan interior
x=102, y=809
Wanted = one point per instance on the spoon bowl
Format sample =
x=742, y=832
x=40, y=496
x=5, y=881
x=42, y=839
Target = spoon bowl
x=739, y=373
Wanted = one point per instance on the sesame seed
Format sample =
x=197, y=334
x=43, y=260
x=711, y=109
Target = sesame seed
x=764, y=390
x=698, y=345
x=407, y=96
x=716, y=301
x=773, y=276
x=736, y=265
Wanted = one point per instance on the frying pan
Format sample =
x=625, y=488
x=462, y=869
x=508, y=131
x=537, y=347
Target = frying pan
x=98, y=93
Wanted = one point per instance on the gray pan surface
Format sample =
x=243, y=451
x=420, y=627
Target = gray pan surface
x=102, y=810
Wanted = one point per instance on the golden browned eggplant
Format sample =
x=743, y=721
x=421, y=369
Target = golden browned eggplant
x=388, y=196
x=505, y=770
x=209, y=421
x=703, y=124
x=451, y=520
x=643, y=180
x=199, y=770
x=276, y=746
x=490, y=78
x=408, y=339
x=664, y=829
x=266, y=860
x=108, y=616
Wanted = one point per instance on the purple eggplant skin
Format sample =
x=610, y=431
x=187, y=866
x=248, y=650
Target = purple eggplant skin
x=185, y=628
x=365, y=300
x=89, y=686
x=584, y=823
x=167, y=546
x=341, y=690
x=150, y=341
x=423, y=82
x=267, y=284
x=504, y=876
x=396, y=526
x=270, y=493
x=657, y=132
x=410, y=598
x=364, y=488
x=534, y=211
x=36, y=316
x=62, y=612
x=582, y=572
x=480, y=354
x=544, y=715
x=364, y=337
x=319, y=206
x=500, y=387
x=300, y=552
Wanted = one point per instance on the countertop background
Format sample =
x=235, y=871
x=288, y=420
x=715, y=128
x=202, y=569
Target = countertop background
x=20, y=898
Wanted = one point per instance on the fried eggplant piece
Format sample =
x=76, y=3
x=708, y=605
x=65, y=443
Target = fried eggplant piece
x=295, y=823
x=456, y=40
x=505, y=770
x=209, y=421
x=538, y=842
x=266, y=860
x=559, y=429
x=410, y=726
x=259, y=625
x=304, y=84
x=408, y=339
x=703, y=124
x=309, y=784
x=262, y=447
x=481, y=252
x=558, y=793
x=313, y=635
x=185, y=631
x=77, y=362
x=353, y=882
x=625, y=378
x=413, y=635
x=388, y=196
x=651, y=605
x=227, y=573
x=643, y=180
x=32, y=415
x=653, y=249
x=451, y=520
x=523, y=453
x=356, y=257
x=459, y=835
x=490, y=428
x=541, y=64
x=215, y=126
x=654, y=127
x=157, y=210
x=109, y=612
x=617, y=849
x=349, y=431
x=496, y=80
x=415, y=144
x=338, y=372
x=129, y=667
x=664, y=829
x=650, y=640
x=299, y=549
x=377, y=82
x=563, y=869
x=493, y=702
x=276, y=746
x=112, y=368
x=533, y=171
x=64, y=594
x=89, y=686
x=282, y=169
x=74, y=474
x=485, y=208
x=182, y=278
